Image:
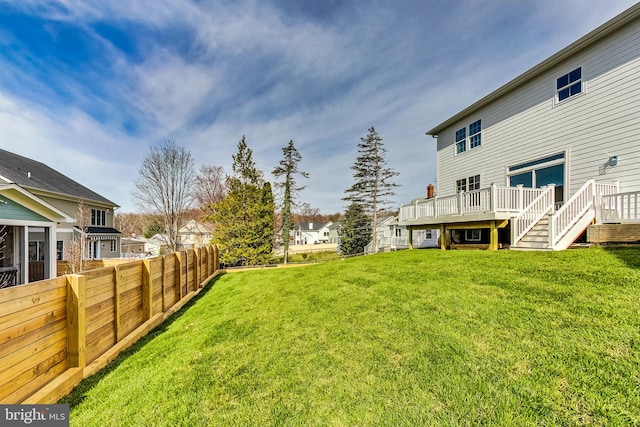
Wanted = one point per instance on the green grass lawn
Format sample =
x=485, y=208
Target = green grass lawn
x=410, y=338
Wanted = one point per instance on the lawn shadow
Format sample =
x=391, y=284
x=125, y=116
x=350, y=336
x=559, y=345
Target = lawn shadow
x=78, y=394
x=630, y=255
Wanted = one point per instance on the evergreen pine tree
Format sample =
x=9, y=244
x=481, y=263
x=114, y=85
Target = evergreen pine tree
x=355, y=230
x=288, y=168
x=373, y=180
x=244, y=218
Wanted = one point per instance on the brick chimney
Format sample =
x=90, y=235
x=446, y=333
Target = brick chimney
x=430, y=191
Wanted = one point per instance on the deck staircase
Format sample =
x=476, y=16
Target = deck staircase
x=537, y=238
x=541, y=227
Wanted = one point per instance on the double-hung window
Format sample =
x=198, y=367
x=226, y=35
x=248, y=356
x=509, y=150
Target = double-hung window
x=461, y=140
x=569, y=85
x=474, y=182
x=461, y=185
x=470, y=139
x=475, y=129
x=98, y=217
x=468, y=184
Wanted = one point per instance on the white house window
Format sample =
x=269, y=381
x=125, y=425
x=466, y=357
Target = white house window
x=569, y=85
x=474, y=182
x=114, y=247
x=98, y=217
x=468, y=184
x=461, y=140
x=475, y=139
x=427, y=235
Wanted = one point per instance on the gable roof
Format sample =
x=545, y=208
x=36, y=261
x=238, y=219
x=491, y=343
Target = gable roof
x=33, y=175
x=594, y=36
x=310, y=226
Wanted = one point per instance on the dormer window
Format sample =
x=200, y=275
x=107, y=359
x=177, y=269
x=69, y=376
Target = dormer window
x=569, y=85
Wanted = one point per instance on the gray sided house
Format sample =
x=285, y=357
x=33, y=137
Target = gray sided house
x=38, y=206
x=545, y=157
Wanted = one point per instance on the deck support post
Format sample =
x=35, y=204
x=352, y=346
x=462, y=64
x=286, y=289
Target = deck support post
x=493, y=236
x=410, y=237
x=443, y=237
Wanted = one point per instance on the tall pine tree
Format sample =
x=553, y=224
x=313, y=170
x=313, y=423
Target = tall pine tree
x=244, y=218
x=373, y=180
x=288, y=168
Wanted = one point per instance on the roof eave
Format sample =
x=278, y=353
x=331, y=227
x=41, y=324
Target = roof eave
x=602, y=31
x=64, y=196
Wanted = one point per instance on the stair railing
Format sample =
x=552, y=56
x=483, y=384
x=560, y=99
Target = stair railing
x=531, y=214
x=566, y=217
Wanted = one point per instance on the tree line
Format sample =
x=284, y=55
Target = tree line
x=241, y=205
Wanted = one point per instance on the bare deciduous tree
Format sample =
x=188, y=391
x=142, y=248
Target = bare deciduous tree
x=165, y=187
x=210, y=186
x=130, y=224
x=308, y=214
x=75, y=252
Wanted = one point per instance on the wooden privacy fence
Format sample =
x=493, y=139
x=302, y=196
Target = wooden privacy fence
x=54, y=333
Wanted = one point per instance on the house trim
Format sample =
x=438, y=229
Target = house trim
x=594, y=36
x=21, y=196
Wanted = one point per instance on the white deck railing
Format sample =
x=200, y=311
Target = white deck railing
x=588, y=197
x=492, y=199
x=620, y=207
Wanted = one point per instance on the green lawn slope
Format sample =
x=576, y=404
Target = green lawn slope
x=420, y=337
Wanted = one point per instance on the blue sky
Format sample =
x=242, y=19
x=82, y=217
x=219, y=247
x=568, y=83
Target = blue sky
x=87, y=86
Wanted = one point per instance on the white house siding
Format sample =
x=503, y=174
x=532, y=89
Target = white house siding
x=526, y=124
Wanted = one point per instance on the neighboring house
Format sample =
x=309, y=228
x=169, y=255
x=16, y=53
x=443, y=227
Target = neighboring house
x=37, y=207
x=310, y=233
x=194, y=234
x=334, y=233
x=535, y=162
x=157, y=245
x=133, y=246
x=391, y=236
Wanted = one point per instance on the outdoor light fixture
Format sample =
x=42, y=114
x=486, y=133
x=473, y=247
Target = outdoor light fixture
x=611, y=162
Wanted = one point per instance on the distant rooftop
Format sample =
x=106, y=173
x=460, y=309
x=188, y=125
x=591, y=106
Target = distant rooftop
x=33, y=175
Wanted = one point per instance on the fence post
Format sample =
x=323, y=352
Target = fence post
x=116, y=300
x=147, y=290
x=196, y=267
x=178, y=257
x=162, y=283
x=76, y=321
x=207, y=250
